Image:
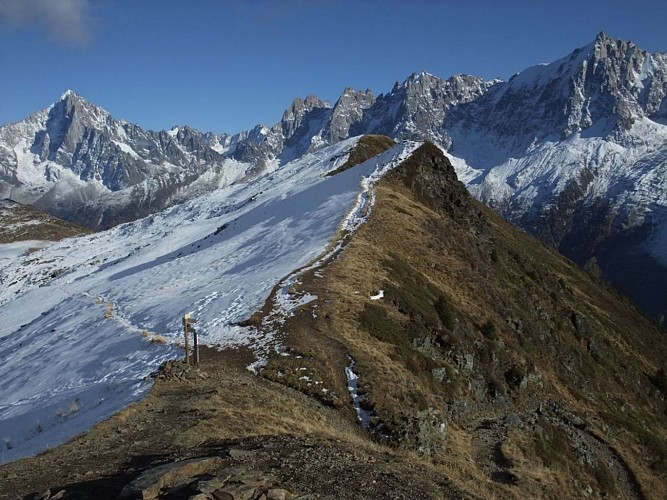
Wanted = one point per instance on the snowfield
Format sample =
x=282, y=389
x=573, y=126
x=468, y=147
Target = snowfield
x=631, y=176
x=86, y=320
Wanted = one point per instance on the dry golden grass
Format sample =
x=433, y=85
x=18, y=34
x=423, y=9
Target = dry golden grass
x=489, y=272
x=108, y=313
x=368, y=146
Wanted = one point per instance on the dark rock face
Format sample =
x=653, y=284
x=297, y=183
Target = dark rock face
x=417, y=108
x=346, y=114
x=430, y=175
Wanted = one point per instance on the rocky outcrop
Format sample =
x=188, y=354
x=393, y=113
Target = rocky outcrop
x=347, y=115
x=178, y=370
x=204, y=479
x=417, y=108
x=174, y=475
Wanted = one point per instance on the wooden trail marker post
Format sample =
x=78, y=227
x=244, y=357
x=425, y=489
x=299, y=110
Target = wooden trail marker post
x=187, y=321
x=194, y=336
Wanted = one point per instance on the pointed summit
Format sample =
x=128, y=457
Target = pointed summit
x=68, y=94
x=294, y=115
x=423, y=77
x=603, y=38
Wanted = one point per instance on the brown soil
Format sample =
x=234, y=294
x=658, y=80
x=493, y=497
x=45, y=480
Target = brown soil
x=23, y=222
x=306, y=447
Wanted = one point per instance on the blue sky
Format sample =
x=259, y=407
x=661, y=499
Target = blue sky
x=225, y=66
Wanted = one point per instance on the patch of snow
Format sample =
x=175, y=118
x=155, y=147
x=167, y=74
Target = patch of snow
x=10, y=252
x=219, y=148
x=256, y=366
x=364, y=416
x=378, y=295
x=126, y=148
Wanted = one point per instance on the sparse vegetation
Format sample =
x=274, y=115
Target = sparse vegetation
x=108, y=313
x=553, y=446
x=444, y=311
x=659, y=379
x=489, y=329
x=375, y=320
x=412, y=295
x=154, y=338
x=24, y=222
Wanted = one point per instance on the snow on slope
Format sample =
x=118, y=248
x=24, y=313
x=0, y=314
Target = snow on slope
x=66, y=366
x=632, y=177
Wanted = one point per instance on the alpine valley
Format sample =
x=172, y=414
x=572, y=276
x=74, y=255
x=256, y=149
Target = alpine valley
x=371, y=324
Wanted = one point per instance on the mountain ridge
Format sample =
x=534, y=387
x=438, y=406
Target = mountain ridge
x=442, y=353
x=560, y=148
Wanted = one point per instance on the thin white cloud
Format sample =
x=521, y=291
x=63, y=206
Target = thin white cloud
x=64, y=21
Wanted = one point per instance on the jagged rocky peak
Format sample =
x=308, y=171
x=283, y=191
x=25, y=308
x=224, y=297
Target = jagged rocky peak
x=635, y=74
x=76, y=107
x=607, y=47
x=347, y=112
x=186, y=135
x=417, y=107
x=353, y=97
x=426, y=95
x=606, y=86
x=67, y=122
x=618, y=79
x=294, y=115
x=457, y=88
x=415, y=83
x=421, y=79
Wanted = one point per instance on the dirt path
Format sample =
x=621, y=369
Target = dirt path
x=488, y=438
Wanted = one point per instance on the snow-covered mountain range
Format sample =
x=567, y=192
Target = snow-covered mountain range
x=574, y=151
x=73, y=159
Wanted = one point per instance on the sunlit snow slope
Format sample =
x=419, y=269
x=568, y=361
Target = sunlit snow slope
x=80, y=317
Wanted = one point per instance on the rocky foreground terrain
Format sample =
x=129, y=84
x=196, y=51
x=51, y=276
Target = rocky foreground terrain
x=485, y=364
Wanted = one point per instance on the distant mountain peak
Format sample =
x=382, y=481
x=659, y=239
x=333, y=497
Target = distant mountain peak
x=67, y=93
x=352, y=92
x=421, y=78
x=420, y=75
x=602, y=37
